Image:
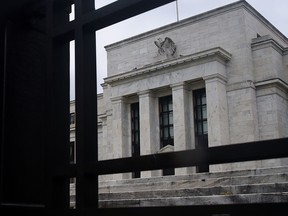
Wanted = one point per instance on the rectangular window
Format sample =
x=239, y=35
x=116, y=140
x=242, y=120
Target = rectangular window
x=72, y=157
x=72, y=118
x=166, y=121
x=200, y=123
x=135, y=134
x=72, y=152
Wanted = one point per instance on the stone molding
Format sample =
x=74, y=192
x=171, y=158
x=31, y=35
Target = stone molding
x=273, y=83
x=216, y=53
x=181, y=85
x=241, y=85
x=119, y=99
x=285, y=51
x=213, y=77
x=145, y=93
x=265, y=42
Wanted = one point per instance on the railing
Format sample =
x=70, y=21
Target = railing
x=58, y=171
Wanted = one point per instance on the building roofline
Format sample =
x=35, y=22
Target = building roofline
x=217, y=52
x=197, y=18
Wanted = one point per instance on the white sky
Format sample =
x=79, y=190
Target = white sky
x=275, y=11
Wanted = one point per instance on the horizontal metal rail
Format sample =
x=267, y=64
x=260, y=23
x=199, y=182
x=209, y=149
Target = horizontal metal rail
x=109, y=15
x=258, y=150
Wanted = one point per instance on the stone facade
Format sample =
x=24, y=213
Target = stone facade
x=237, y=56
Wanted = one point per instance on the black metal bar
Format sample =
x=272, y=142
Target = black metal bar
x=59, y=32
x=2, y=101
x=259, y=150
x=111, y=14
x=57, y=109
x=22, y=155
x=119, y=11
x=265, y=209
x=86, y=109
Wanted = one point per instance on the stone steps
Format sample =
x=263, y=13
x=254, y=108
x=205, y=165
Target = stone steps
x=194, y=183
x=242, y=186
x=197, y=200
x=198, y=191
x=200, y=176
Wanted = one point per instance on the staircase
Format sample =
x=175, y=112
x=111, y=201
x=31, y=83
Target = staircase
x=265, y=185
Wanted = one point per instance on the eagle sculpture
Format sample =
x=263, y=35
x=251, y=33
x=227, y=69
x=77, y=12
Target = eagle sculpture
x=167, y=46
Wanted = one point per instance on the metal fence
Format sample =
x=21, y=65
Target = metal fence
x=41, y=160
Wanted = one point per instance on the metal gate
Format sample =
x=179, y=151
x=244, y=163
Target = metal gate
x=35, y=168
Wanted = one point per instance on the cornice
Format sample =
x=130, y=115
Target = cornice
x=241, y=85
x=272, y=86
x=216, y=53
x=273, y=83
x=286, y=51
x=266, y=41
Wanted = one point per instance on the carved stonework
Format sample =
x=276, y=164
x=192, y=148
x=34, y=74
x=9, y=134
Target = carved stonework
x=166, y=47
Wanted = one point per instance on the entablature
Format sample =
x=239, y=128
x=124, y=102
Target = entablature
x=213, y=54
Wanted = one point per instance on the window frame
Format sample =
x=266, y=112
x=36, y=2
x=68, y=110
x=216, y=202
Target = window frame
x=135, y=134
x=166, y=124
x=200, y=117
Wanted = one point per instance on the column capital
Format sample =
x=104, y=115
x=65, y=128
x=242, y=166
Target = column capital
x=145, y=93
x=215, y=77
x=118, y=99
x=180, y=85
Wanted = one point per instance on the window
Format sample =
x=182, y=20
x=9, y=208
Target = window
x=200, y=122
x=166, y=126
x=72, y=152
x=135, y=134
x=72, y=158
x=72, y=118
x=166, y=121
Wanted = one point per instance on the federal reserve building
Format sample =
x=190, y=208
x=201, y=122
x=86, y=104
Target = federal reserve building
x=214, y=79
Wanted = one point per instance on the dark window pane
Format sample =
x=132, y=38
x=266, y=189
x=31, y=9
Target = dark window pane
x=200, y=123
x=135, y=134
x=166, y=121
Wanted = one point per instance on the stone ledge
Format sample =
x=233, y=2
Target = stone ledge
x=198, y=191
x=198, y=200
x=216, y=53
x=200, y=176
x=264, y=42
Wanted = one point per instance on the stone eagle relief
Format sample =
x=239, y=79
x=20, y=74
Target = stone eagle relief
x=167, y=46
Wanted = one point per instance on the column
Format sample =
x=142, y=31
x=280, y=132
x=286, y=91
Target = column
x=149, y=132
x=120, y=132
x=182, y=110
x=217, y=110
x=217, y=114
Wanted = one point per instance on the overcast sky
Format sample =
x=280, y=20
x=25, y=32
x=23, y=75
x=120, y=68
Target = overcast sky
x=275, y=11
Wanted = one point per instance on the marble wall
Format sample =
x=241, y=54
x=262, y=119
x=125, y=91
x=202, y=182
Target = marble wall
x=233, y=52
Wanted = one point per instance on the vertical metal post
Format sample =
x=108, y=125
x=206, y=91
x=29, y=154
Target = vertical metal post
x=3, y=42
x=86, y=108
x=58, y=133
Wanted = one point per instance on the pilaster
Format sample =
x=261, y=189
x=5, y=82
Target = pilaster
x=182, y=106
x=217, y=110
x=120, y=131
x=149, y=132
x=217, y=114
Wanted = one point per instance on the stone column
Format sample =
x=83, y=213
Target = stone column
x=120, y=131
x=217, y=110
x=217, y=113
x=182, y=106
x=149, y=130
